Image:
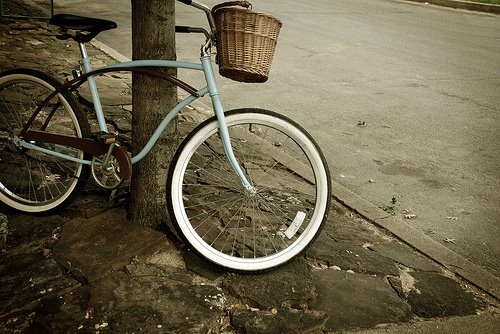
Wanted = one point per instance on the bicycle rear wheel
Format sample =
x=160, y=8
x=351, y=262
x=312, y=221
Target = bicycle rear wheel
x=30, y=180
x=249, y=230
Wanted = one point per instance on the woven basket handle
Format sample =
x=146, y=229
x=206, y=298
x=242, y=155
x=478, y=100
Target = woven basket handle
x=245, y=4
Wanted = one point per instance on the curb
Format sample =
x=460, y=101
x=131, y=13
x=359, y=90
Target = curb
x=109, y=51
x=467, y=5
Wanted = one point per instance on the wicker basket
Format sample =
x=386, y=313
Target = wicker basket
x=246, y=41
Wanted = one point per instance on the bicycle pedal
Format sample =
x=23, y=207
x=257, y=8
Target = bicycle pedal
x=105, y=137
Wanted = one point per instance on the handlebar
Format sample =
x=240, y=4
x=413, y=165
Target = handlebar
x=210, y=36
x=188, y=29
x=208, y=12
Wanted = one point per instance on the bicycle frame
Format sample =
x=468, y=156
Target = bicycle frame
x=210, y=88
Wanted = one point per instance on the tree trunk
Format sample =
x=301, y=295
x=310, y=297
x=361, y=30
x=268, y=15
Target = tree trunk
x=153, y=37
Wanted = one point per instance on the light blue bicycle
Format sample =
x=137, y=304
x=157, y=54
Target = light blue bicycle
x=248, y=189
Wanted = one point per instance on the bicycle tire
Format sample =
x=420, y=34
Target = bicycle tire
x=32, y=181
x=231, y=227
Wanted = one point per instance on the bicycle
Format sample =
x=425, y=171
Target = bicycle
x=247, y=189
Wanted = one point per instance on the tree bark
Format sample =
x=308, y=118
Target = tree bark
x=153, y=37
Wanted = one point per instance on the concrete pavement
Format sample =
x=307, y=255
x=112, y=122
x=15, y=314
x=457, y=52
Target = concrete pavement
x=354, y=276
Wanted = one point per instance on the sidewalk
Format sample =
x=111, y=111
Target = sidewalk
x=88, y=270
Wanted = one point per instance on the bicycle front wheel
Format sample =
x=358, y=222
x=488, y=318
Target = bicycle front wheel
x=30, y=180
x=249, y=230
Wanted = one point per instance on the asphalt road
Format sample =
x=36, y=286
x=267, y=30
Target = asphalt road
x=423, y=80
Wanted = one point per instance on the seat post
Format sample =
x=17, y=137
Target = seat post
x=83, y=50
x=86, y=67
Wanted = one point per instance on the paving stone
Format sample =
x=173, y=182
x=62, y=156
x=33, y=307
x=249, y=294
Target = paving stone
x=117, y=304
x=27, y=279
x=434, y=295
x=23, y=230
x=27, y=275
x=341, y=227
x=178, y=308
x=343, y=243
x=356, y=300
x=158, y=270
x=63, y=314
x=285, y=320
x=120, y=119
x=95, y=247
x=290, y=284
x=405, y=255
x=201, y=266
x=88, y=205
x=347, y=256
x=4, y=230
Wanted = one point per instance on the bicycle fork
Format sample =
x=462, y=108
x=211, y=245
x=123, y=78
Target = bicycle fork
x=224, y=133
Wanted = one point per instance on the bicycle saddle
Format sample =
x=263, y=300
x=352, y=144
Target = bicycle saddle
x=86, y=27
